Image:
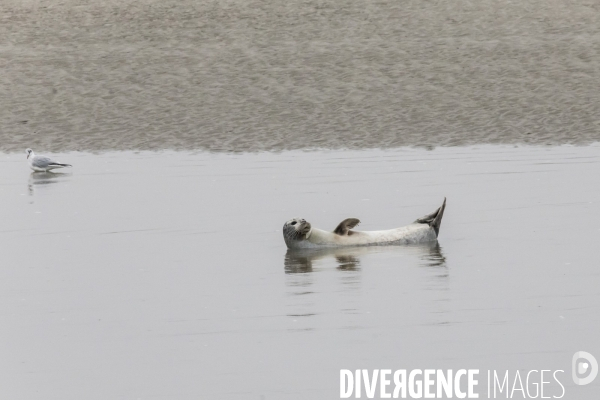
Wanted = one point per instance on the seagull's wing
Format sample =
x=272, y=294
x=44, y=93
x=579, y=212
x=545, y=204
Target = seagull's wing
x=42, y=162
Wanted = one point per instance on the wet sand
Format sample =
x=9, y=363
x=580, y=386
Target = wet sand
x=84, y=75
x=165, y=275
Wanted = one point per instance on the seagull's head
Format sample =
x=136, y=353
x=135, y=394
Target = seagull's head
x=29, y=152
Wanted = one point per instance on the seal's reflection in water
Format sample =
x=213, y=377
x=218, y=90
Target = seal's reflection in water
x=40, y=179
x=434, y=256
x=433, y=259
x=301, y=261
x=348, y=258
x=312, y=294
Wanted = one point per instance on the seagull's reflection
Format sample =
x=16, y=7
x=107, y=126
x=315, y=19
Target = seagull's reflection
x=38, y=179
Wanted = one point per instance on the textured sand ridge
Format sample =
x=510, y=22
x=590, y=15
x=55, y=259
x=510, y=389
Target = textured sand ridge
x=275, y=75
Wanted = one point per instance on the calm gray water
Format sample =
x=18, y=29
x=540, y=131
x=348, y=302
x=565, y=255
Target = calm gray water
x=164, y=275
x=252, y=75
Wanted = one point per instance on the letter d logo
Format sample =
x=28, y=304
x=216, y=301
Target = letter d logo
x=582, y=363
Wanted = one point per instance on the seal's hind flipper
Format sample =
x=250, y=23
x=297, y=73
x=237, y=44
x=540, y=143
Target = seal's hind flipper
x=344, y=226
x=434, y=219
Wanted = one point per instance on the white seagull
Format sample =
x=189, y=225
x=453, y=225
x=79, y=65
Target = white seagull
x=42, y=163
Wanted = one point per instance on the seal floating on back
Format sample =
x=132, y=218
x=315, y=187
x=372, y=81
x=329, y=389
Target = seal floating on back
x=299, y=234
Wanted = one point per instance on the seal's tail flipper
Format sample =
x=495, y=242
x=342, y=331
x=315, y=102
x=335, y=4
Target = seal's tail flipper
x=434, y=219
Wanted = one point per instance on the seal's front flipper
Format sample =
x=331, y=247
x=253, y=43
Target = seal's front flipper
x=345, y=226
x=434, y=219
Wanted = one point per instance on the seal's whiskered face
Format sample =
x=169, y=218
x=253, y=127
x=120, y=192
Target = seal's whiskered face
x=296, y=229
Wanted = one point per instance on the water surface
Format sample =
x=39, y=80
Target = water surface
x=164, y=275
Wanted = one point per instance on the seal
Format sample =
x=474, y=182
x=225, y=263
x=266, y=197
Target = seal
x=299, y=234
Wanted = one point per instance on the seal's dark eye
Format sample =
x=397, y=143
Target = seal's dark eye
x=294, y=223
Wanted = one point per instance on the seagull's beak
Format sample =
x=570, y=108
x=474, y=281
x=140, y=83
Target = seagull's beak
x=28, y=155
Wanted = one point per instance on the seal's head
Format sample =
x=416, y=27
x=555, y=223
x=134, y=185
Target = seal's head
x=296, y=229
